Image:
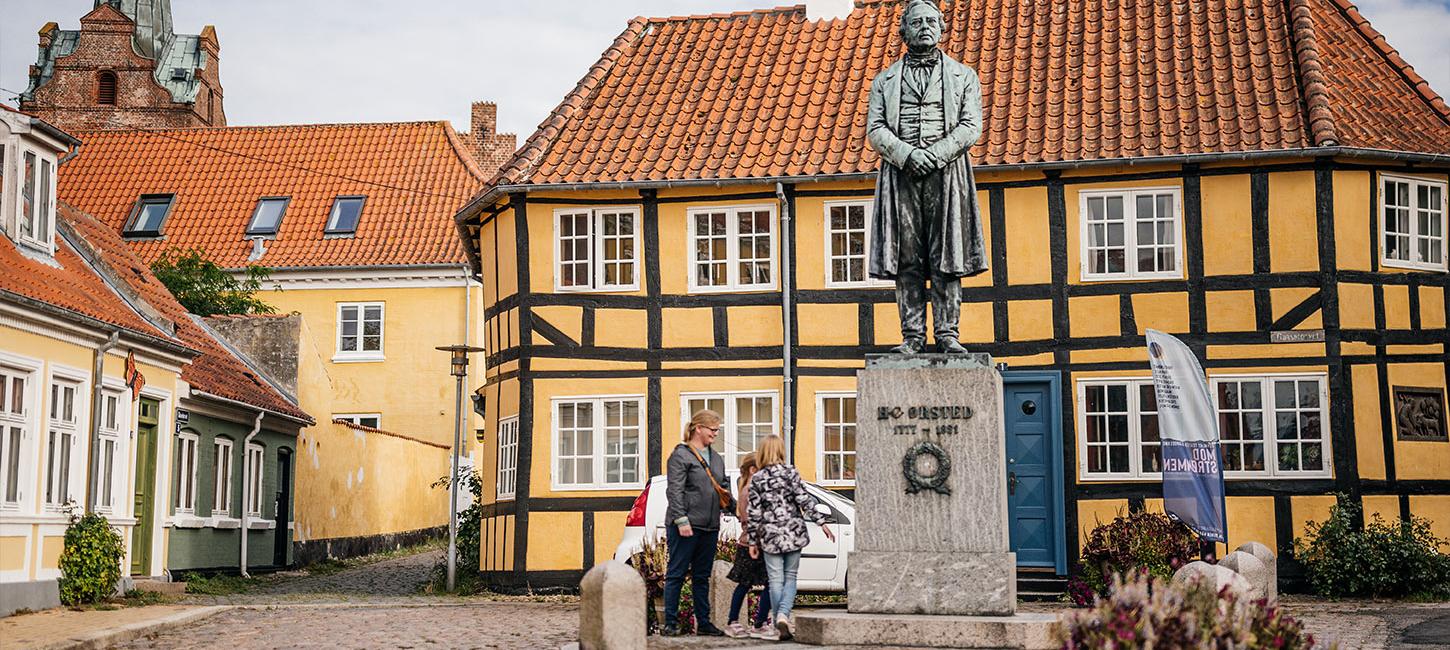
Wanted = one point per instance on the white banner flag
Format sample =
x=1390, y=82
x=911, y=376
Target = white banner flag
x=1188, y=427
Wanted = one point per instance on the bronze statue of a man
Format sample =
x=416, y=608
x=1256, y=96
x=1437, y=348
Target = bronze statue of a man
x=925, y=113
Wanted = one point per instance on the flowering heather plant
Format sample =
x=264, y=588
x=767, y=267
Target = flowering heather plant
x=652, y=561
x=1140, y=542
x=1147, y=612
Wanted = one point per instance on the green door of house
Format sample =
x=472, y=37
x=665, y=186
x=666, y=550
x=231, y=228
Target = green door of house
x=148, y=420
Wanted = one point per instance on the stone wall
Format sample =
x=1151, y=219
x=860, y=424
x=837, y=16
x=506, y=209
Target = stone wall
x=271, y=342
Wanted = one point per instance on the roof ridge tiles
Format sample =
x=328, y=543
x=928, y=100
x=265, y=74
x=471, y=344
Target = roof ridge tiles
x=1312, y=81
x=1392, y=56
x=746, y=13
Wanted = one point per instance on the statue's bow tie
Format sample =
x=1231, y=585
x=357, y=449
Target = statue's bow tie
x=922, y=61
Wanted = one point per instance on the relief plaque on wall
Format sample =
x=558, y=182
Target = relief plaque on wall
x=1420, y=413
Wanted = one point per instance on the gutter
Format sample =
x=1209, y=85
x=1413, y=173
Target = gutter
x=95, y=323
x=93, y=443
x=787, y=323
x=252, y=407
x=246, y=530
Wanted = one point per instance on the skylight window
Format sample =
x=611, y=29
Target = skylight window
x=149, y=215
x=346, y=210
x=268, y=216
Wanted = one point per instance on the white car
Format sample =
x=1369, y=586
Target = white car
x=823, y=562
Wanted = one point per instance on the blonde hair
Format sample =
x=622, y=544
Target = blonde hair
x=702, y=417
x=770, y=452
x=747, y=465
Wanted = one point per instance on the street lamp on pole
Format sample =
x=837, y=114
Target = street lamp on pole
x=458, y=367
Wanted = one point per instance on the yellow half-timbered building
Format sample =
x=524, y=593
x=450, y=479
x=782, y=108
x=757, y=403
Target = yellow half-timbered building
x=688, y=229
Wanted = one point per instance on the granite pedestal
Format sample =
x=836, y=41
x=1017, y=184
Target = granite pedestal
x=932, y=565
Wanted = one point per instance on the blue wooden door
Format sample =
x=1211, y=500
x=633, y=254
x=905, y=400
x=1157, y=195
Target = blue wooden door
x=1033, y=471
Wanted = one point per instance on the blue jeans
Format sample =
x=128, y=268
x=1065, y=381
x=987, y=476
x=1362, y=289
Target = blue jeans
x=737, y=601
x=693, y=556
x=782, y=570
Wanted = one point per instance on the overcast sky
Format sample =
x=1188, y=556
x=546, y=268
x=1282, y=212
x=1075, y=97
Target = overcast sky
x=310, y=61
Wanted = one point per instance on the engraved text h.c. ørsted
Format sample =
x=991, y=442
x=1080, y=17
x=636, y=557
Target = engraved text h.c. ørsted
x=933, y=419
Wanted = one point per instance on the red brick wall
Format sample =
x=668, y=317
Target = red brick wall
x=490, y=148
x=68, y=100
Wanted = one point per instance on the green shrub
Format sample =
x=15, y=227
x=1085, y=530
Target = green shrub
x=1141, y=542
x=90, y=562
x=1149, y=612
x=468, y=575
x=1345, y=559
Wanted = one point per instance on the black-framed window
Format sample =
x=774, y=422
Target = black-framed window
x=267, y=216
x=346, y=211
x=149, y=215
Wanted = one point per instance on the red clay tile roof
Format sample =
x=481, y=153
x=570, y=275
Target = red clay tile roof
x=769, y=93
x=414, y=175
x=216, y=370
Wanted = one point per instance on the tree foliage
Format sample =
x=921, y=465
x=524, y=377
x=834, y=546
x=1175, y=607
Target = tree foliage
x=206, y=289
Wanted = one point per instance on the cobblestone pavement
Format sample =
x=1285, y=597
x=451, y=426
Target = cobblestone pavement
x=394, y=580
x=1373, y=624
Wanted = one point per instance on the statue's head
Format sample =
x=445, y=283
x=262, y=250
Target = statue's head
x=921, y=24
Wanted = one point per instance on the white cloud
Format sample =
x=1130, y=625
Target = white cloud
x=309, y=61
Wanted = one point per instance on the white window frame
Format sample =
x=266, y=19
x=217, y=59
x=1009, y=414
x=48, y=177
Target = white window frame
x=1414, y=234
x=64, y=484
x=725, y=442
x=1135, y=430
x=1130, y=234
x=254, y=467
x=361, y=355
x=187, y=455
x=28, y=422
x=597, y=448
x=1271, y=433
x=506, y=480
x=821, y=433
x=830, y=257
x=732, y=249
x=115, y=419
x=596, y=239
x=357, y=418
x=223, y=470
x=45, y=200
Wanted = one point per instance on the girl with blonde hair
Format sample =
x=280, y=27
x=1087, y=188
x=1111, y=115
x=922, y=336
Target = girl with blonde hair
x=694, y=474
x=776, y=524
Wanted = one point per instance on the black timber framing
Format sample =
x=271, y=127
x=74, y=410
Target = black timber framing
x=524, y=470
x=654, y=413
x=1193, y=255
x=789, y=387
x=1259, y=227
x=997, y=215
x=1341, y=406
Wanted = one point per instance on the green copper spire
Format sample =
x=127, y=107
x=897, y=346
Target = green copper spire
x=153, y=23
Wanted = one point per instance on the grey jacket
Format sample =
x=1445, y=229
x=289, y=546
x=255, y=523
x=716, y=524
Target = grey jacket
x=689, y=491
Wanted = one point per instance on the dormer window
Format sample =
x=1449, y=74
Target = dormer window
x=106, y=88
x=37, y=200
x=267, y=218
x=149, y=215
x=346, y=210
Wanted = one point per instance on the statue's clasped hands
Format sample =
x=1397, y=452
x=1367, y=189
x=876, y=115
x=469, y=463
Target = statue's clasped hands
x=922, y=162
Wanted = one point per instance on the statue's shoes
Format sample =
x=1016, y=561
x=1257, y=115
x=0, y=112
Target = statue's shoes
x=950, y=346
x=911, y=346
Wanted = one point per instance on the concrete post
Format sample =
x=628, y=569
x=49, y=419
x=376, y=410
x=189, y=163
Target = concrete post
x=721, y=588
x=611, y=608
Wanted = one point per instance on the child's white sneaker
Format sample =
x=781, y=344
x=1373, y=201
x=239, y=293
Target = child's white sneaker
x=736, y=631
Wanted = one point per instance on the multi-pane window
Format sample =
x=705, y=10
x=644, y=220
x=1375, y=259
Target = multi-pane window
x=112, y=420
x=252, y=489
x=148, y=216
x=346, y=212
x=61, y=441
x=597, y=249
x=746, y=419
x=508, y=456
x=1414, y=223
x=598, y=442
x=221, y=504
x=37, y=200
x=1273, y=426
x=184, y=496
x=1130, y=234
x=1119, y=429
x=837, y=416
x=371, y=420
x=14, y=431
x=267, y=217
x=732, y=248
x=360, y=330
x=848, y=231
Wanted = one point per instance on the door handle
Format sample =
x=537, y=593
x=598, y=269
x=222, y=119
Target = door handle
x=1011, y=483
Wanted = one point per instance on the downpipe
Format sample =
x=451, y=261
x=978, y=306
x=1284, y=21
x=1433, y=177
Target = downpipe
x=98, y=368
x=787, y=323
x=246, y=523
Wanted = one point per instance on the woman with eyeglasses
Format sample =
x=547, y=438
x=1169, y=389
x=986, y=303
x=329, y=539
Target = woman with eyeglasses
x=695, y=474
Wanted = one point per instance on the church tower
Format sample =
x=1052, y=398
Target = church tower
x=126, y=67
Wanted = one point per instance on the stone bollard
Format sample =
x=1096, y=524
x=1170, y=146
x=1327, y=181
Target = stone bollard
x=1251, y=569
x=1265, y=555
x=721, y=588
x=1212, y=575
x=611, y=608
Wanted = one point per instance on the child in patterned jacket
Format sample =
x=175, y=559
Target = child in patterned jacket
x=776, y=525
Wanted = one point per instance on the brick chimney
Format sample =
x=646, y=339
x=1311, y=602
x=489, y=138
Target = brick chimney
x=490, y=148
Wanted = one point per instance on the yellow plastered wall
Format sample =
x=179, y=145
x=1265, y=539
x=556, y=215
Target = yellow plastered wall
x=1285, y=300
x=1432, y=307
x=834, y=324
x=1228, y=233
x=1397, y=306
x=12, y=553
x=352, y=483
x=1351, y=220
x=608, y=531
x=1166, y=312
x=1305, y=509
x=411, y=388
x=1250, y=519
x=1356, y=306
x=1419, y=459
x=565, y=318
x=1387, y=506
x=686, y=328
x=1435, y=508
x=1092, y=513
x=1369, y=441
x=754, y=326
x=621, y=328
x=1092, y=316
x=1230, y=311
x=50, y=548
x=1027, y=236
x=1293, y=231
x=1029, y=320
x=499, y=555
x=556, y=541
x=500, y=234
